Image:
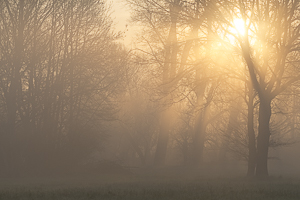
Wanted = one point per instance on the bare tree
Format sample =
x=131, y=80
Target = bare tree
x=269, y=46
x=60, y=72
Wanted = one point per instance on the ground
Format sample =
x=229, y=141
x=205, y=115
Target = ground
x=147, y=187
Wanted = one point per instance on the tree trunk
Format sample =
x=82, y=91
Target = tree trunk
x=231, y=129
x=264, y=114
x=199, y=139
x=251, y=136
x=263, y=138
x=161, y=149
x=162, y=143
x=15, y=86
x=169, y=73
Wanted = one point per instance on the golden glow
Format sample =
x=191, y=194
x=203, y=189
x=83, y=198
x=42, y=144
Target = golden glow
x=236, y=30
x=239, y=26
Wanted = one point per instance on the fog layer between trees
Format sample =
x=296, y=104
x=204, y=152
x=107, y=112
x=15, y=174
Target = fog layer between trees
x=198, y=90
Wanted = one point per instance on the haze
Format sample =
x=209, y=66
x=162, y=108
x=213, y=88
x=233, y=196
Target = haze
x=96, y=92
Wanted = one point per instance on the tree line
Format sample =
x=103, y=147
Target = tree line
x=61, y=70
x=196, y=88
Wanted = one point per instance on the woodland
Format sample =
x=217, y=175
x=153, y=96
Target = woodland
x=207, y=85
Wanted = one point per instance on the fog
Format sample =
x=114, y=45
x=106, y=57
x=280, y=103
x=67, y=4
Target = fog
x=201, y=90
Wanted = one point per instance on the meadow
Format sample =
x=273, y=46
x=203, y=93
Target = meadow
x=154, y=188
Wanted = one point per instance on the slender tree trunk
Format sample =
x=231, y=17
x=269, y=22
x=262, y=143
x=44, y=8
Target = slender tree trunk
x=231, y=128
x=199, y=139
x=163, y=138
x=251, y=135
x=185, y=151
x=161, y=151
x=169, y=73
x=12, y=99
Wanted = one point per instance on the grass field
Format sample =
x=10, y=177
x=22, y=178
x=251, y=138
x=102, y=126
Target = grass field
x=133, y=189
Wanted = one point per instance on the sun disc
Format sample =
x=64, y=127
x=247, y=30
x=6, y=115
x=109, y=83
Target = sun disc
x=239, y=26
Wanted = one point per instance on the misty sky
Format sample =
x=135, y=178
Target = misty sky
x=121, y=16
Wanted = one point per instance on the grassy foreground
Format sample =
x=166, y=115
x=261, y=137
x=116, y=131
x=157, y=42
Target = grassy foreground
x=206, y=189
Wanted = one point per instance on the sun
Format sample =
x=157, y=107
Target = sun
x=236, y=30
x=239, y=26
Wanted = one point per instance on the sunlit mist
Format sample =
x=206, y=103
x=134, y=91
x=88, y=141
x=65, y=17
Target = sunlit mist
x=149, y=99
